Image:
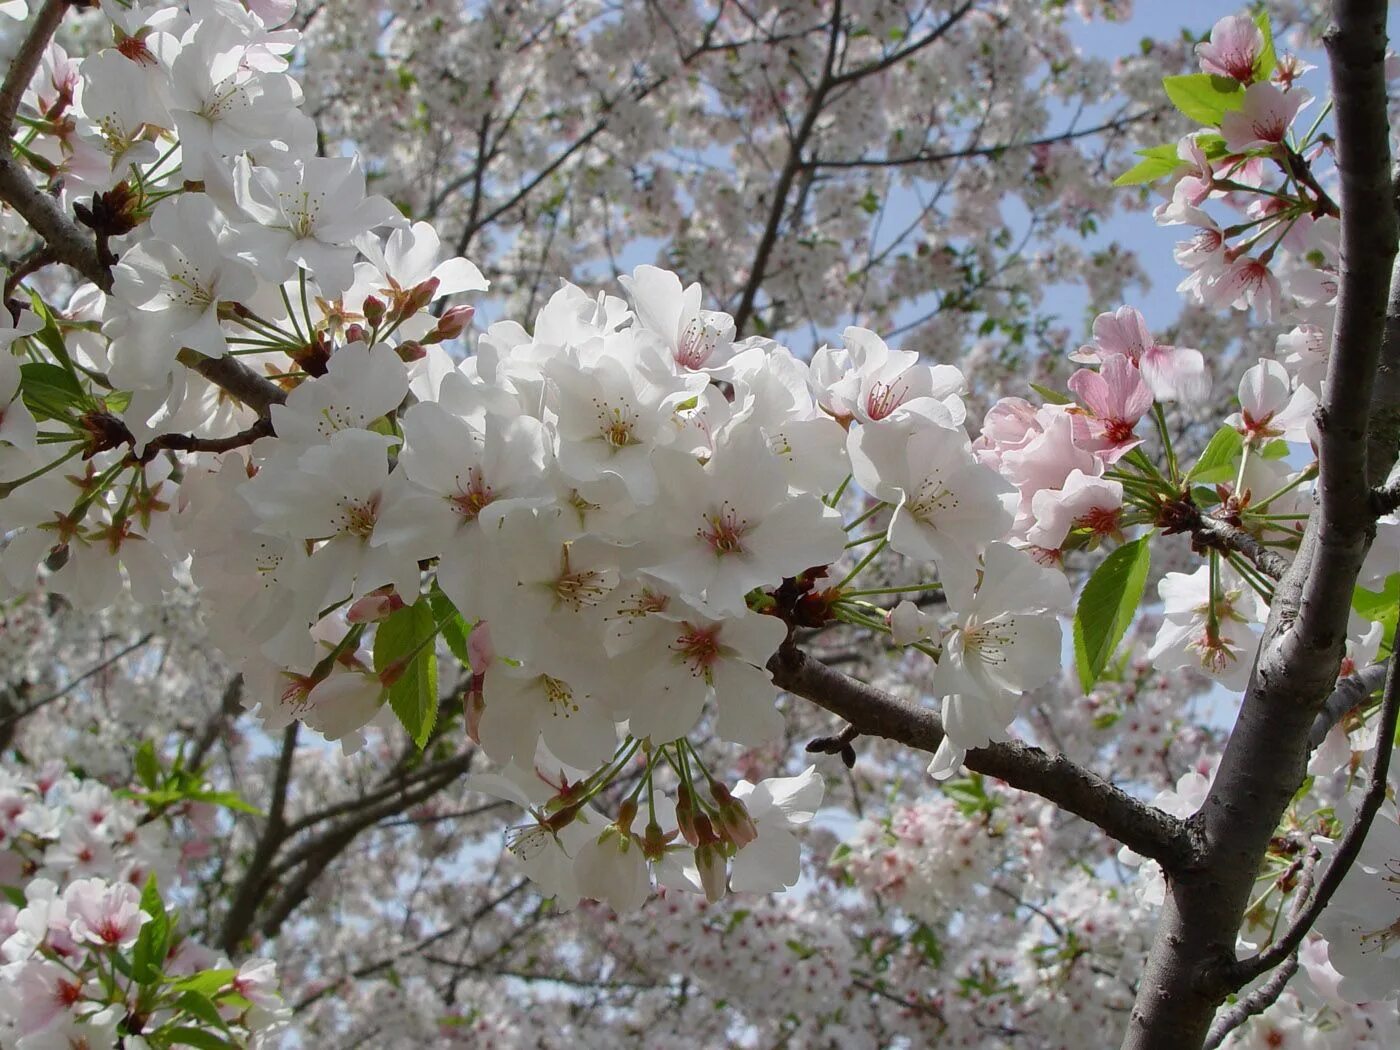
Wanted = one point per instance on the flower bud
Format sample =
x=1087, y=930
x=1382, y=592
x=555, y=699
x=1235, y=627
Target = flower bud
x=374, y=607
x=419, y=296
x=685, y=815
x=451, y=324
x=373, y=309
x=356, y=333
x=713, y=868
x=411, y=350
x=626, y=814
x=734, y=819
x=474, y=706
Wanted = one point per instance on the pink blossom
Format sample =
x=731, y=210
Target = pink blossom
x=1263, y=120
x=105, y=914
x=1243, y=283
x=1233, y=49
x=1086, y=502
x=1116, y=397
x=1171, y=373
x=1196, y=184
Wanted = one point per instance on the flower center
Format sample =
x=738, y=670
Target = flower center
x=470, y=500
x=884, y=398
x=699, y=647
x=724, y=530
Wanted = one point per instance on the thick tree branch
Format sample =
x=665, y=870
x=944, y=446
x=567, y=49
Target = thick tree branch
x=1191, y=966
x=1347, y=850
x=873, y=712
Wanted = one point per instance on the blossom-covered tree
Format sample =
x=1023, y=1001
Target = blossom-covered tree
x=323, y=568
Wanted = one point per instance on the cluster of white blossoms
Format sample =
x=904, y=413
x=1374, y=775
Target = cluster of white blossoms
x=608, y=504
x=616, y=517
x=87, y=955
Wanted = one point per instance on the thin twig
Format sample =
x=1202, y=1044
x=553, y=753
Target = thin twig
x=1348, y=849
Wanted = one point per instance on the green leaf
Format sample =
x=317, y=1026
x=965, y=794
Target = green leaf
x=1158, y=161
x=1220, y=459
x=206, y=982
x=154, y=938
x=146, y=764
x=49, y=335
x=227, y=799
x=1267, y=61
x=1203, y=97
x=202, y=1007
x=455, y=629
x=51, y=392
x=1052, y=397
x=198, y=1037
x=1382, y=606
x=1106, y=607
x=926, y=941
x=14, y=895
x=414, y=695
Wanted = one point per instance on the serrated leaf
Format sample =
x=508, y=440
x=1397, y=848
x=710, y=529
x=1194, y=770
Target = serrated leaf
x=51, y=392
x=1106, y=607
x=202, y=1007
x=455, y=630
x=206, y=982
x=1219, y=459
x=154, y=938
x=1052, y=397
x=413, y=696
x=1267, y=61
x=1150, y=169
x=1204, y=98
x=146, y=765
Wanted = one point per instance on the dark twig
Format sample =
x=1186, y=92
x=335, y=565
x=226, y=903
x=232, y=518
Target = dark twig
x=1222, y=535
x=1347, y=850
x=840, y=744
x=873, y=712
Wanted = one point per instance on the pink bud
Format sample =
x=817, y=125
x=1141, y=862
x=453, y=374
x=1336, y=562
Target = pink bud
x=452, y=323
x=374, y=607
x=734, y=817
x=374, y=309
x=411, y=350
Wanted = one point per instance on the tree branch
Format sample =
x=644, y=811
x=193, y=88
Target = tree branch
x=1213, y=532
x=1347, y=851
x=23, y=65
x=1190, y=968
x=1350, y=692
x=873, y=712
x=245, y=902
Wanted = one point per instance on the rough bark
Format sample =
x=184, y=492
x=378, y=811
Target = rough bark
x=1187, y=973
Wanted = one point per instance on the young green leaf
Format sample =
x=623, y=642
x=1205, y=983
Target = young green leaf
x=1267, y=61
x=413, y=696
x=1106, y=607
x=154, y=938
x=455, y=630
x=1220, y=458
x=1203, y=97
x=51, y=392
